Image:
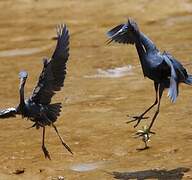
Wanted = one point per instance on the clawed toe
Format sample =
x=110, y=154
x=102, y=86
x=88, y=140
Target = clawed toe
x=136, y=118
x=144, y=132
x=46, y=153
x=67, y=147
x=139, y=117
x=145, y=135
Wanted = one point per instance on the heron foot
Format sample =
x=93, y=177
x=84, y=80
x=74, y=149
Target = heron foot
x=67, y=147
x=136, y=118
x=145, y=134
x=46, y=153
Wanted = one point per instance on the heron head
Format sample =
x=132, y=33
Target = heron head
x=23, y=76
x=132, y=25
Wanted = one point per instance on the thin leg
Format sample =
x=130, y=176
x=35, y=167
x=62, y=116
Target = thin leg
x=46, y=153
x=158, y=107
x=61, y=139
x=140, y=117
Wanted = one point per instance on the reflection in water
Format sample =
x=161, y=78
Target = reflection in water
x=83, y=167
x=22, y=52
x=112, y=73
x=174, y=174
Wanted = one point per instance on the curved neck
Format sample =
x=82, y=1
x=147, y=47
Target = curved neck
x=147, y=43
x=21, y=93
x=141, y=52
x=144, y=46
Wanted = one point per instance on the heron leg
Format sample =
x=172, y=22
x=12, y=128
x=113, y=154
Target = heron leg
x=46, y=153
x=61, y=139
x=140, y=117
x=161, y=88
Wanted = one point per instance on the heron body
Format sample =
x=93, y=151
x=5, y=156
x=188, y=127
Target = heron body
x=38, y=107
x=162, y=68
x=41, y=114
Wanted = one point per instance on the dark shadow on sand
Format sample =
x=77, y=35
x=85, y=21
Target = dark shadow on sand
x=174, y=174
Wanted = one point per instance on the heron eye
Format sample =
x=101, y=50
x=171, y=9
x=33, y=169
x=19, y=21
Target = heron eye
x=124, y=29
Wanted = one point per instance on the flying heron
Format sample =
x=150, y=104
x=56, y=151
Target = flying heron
x=162, y=68
x=38, y=107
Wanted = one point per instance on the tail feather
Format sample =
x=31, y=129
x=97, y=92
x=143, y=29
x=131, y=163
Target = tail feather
x=189, y=80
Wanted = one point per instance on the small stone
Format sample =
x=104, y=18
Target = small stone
x=60, y=178
x=19, y=171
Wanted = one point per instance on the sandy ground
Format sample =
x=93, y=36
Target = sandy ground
x=93, y=120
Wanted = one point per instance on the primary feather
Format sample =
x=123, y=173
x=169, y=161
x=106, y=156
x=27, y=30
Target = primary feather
x=53, y=74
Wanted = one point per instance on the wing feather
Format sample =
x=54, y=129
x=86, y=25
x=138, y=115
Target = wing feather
x=53, y=74
x=124, y=33
x=9, y=112
x=173, y=88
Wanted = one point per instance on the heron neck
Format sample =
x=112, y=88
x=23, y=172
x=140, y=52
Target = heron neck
x=141, y=52
x=21, y=93
x=147, y=43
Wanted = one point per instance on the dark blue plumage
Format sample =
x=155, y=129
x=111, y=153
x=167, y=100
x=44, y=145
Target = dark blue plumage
x=38, y=107
x=162, y=68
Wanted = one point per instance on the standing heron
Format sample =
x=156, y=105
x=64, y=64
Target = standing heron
x=162, y=68
x=38, y=107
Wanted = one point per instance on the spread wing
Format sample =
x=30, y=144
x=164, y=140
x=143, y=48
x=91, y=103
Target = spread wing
x=9, y=112
x=53, y=74
x=123, y=33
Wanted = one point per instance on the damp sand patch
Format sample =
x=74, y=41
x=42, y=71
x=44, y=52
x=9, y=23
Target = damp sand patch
x=23, y=52
x=112, y=73
x=84, y=167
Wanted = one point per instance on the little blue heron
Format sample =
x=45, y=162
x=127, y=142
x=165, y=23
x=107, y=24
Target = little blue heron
x=38, y=107
x=162, y=68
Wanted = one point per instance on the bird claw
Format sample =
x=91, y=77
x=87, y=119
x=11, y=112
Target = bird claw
x=143, y=132
x=67, y=147
x=145, y=135
x=46, y=153
x=136, y=118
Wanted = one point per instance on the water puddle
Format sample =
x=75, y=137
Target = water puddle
x=112, y=73
x=22, y=52
x=83, y=167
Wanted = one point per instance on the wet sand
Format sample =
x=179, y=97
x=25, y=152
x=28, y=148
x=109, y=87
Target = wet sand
x=93, y=120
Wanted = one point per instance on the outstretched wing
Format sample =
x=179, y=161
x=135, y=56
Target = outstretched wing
x=53, y=74
x=123, y=33
x=9, y=112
